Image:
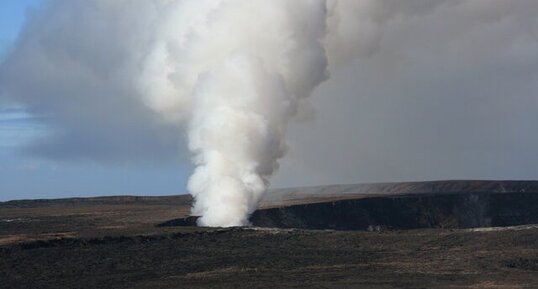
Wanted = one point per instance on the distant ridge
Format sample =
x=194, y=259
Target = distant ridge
x=318, y=194
x=314, y=194
x=101, y=200
x=410, y=205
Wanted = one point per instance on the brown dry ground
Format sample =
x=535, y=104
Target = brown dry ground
x=115, y=244
x=93, y=217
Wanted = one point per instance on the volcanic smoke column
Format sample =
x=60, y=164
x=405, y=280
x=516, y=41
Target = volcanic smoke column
x=239, y=70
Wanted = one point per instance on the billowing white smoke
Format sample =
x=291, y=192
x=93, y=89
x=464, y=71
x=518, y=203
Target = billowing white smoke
x=233, y=73
x=238, y=71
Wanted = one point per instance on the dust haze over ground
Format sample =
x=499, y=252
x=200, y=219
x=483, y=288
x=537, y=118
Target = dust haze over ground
x=413, y=85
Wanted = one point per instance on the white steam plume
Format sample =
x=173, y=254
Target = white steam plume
x=232, y=73
x=238, y=70
x=104, y=74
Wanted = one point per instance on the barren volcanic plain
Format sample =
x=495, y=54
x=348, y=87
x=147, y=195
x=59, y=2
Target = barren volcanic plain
x=453, y=234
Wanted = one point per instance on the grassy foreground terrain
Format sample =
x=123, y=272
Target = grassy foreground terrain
x=114, y=243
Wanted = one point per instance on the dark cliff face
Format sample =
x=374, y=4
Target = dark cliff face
x=409, y=205
x=463, y=210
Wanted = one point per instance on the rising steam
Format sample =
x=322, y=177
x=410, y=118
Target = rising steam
x=117, y=81
x=232, y=73
x=239, y=70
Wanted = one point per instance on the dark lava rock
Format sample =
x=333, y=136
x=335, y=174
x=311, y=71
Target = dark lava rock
x=450, y=210
x=407, y=212
x=189, y=221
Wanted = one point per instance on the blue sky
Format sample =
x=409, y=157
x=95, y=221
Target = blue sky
x=23, y=176
x=12, y=15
